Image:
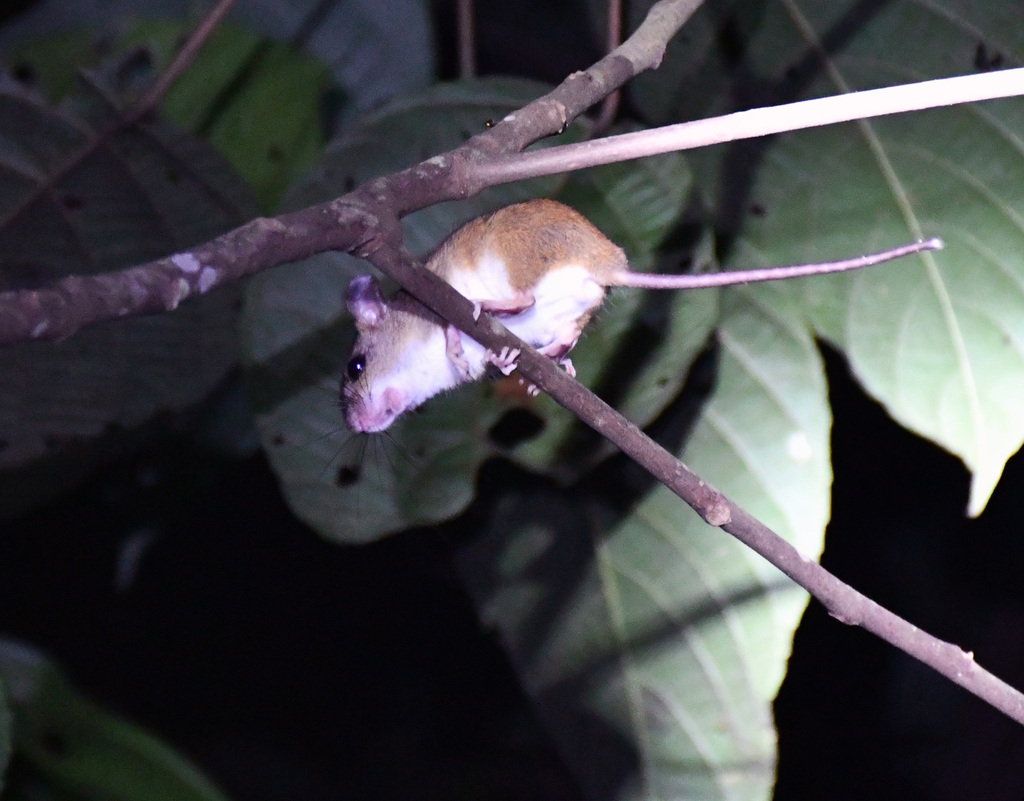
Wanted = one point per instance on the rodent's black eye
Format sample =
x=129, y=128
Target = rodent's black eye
x=355, y=368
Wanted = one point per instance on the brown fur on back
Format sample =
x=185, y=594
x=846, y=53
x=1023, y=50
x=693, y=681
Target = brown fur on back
x=532, y=238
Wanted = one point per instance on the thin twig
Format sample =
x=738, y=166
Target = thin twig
x=181, y=62
x=610, y=106
x=750, y=124
x=466, y=27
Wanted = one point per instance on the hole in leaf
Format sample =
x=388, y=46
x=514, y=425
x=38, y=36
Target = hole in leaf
x=985, y=61
x=55, y=743
x=731, y=42
x=24, y=73
x=347, y=475
x=515, y=427
x=135, y=65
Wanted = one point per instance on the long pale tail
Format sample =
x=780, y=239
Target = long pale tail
x=729, y=277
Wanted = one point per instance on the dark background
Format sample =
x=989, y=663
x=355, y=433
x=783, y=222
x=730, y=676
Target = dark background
x=289, y=667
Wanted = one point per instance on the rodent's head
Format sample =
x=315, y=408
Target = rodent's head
x=398, y=360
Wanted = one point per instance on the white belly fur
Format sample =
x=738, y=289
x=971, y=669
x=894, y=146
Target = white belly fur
x=562, y=297
x=489, y=279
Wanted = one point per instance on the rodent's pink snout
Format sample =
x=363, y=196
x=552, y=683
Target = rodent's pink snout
x=376, y=414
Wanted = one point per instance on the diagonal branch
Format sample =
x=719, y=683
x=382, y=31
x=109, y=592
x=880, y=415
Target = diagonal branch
x=842, y=601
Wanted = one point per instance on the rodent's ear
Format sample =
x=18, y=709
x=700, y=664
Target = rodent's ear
x=365, y=301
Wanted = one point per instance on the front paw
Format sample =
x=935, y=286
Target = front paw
x=453, y=349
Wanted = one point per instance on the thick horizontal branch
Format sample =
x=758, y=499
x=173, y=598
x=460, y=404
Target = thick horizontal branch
x=842, y=601
x=58, y=311
x=368, y=215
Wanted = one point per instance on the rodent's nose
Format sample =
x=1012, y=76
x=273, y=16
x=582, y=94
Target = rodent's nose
x=369, y=415
x=394, y=401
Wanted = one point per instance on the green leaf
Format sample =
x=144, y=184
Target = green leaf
x=298, y=333
x=53, y=61
x=257, y=101
x=73, y=201
x=73, y=745
x=372, y=59
x=938, y=340
x=654, y=647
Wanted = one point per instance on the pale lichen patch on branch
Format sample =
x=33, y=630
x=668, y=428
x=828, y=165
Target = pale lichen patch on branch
x=207, y=279
x=186, y=262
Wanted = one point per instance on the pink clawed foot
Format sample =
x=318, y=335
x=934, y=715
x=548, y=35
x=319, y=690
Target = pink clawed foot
x=504, y=361
x=556, y=350
x=531, y=389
